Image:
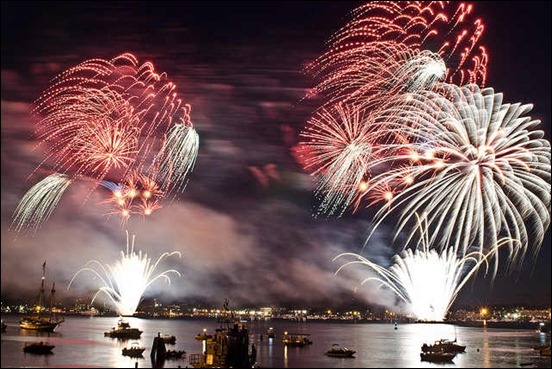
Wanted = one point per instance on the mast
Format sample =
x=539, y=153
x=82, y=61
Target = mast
x=52, y=300
x=41, y=294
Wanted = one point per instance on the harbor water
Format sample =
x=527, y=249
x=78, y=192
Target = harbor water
x=80, y=342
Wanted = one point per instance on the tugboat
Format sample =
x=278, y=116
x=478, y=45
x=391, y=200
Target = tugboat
x=228, y=348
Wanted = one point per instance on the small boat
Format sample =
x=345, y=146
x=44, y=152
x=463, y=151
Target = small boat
x=39, y=348
x=4, y=326
x=174, y=354
x=134, y=350
x=270, y=333
x=203, y=336
x=438, y=357
x=339, y=351
x=296, y=339
x=170, y=340
x=444, y=345
x=124, y=331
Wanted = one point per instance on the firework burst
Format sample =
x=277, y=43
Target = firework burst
x=480, y=167
x=108, y=120
x=425, y=279
x=125, y=282
x=395, y=47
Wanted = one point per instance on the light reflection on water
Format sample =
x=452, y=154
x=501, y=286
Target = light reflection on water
x=80, y=342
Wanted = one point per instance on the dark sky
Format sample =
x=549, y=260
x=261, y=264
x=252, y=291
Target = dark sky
x=243, y=233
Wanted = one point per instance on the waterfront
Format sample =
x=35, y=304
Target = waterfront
x=80, y=342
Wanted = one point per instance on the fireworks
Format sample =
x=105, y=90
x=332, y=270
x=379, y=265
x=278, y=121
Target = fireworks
x=425, y=279
x=394, y=129
x=39, y=202
x=125, y=282
x=111, y=121
x=480, y=168
x=388, y=48
x=341, y=148
x=386, y=52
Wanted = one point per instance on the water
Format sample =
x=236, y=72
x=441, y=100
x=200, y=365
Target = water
x=80, y=342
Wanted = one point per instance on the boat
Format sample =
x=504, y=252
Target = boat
x=170, y=340
x=90, y=312
x=175, y=354
x=340, y=351
x=228, y=347
x=39, y=348
x=444, y=345
x=296, y=339
x=124, y=331
x=134, y=350
x=4, y=326
x=203, y=336
x=270, y=333
x=438, y=356
x=39, y=321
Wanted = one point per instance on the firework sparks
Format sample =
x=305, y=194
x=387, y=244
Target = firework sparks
x=425, y=279
x=386, y=52
x=125, y=282
x=389, y=48
x=481, y=169
x=39, y=202
x=341, y=147
x=108, y=120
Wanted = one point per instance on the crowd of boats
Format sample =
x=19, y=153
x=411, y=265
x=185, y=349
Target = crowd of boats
x=227, y=347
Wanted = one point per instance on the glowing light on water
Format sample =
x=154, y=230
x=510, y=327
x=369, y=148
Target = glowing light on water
x=125, y=282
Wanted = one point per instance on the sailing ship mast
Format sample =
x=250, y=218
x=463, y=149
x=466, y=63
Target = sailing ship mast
x=52, y=300
x=41, y=293
x=39, y=322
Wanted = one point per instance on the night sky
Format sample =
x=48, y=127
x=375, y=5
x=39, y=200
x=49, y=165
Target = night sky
x=244, y=224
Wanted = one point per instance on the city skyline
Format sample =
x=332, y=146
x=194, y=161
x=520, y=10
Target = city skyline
x=245, y=224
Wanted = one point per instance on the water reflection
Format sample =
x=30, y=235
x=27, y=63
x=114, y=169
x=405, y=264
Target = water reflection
x=81, y=342
x=486, y=350
x=33, y=333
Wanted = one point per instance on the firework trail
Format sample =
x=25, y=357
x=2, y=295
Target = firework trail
x=39, y=202
x=112, y=120
x=480, y=169
x=388, y=48
x=125, y=282
x=425, y=279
